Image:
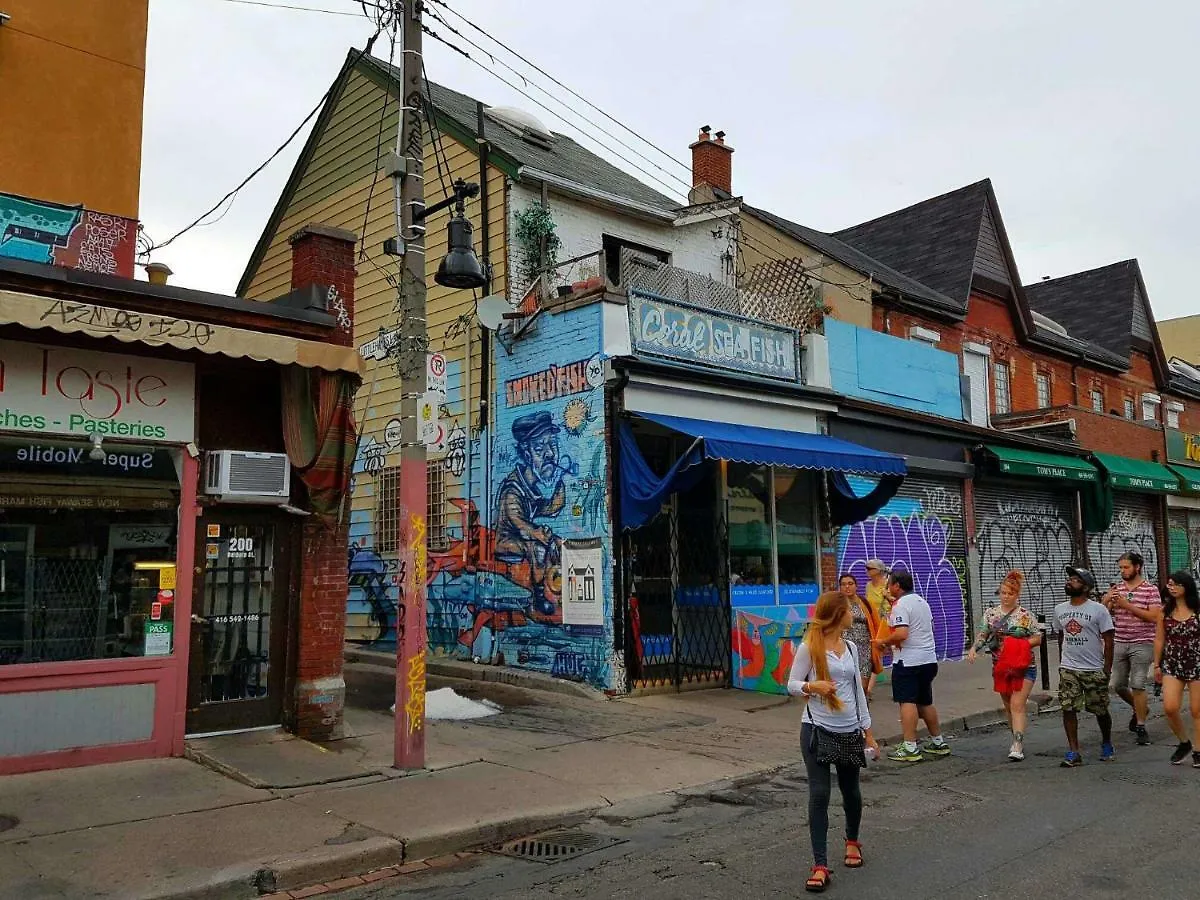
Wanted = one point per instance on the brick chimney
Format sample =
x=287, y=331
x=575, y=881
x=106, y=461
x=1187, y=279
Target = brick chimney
x=712, y=161
x=323, y=266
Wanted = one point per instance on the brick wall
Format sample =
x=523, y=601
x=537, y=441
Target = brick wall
x=323, y=256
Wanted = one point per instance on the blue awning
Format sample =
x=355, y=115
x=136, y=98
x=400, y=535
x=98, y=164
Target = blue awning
x=771, y=447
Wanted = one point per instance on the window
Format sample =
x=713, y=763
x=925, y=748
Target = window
x=1042, y=382
x=924, y=335
x=1003, y=374
x=1172, y=418
x=1129, y=407
x=1150, y=404
x=387, y=509
x=1097, y=400
x=619, y=252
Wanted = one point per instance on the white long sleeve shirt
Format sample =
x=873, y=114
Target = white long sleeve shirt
x=843, y=672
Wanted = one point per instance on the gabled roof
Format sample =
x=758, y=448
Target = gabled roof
x=934, y=241
x=1096, y=305
x=856, y=260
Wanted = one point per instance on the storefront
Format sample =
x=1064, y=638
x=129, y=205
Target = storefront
x=1137, y=489
x=1183, y=508
x=148, y=586
x=1027, y=517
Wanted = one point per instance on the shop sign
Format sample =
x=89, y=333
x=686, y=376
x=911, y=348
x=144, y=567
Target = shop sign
x=48, y=390
x=35, y=456
x=1183, y=447
x=689, y=334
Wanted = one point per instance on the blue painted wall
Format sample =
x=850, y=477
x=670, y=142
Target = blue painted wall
x=894, y=371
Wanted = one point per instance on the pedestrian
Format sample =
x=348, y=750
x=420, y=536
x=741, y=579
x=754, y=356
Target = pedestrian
x=1177, y=661
x=1085, y=651
x=1136, y=607
x=863, y=632
x=835, y=731
x=1004, y=629
x=877, y=592
x=914, y=666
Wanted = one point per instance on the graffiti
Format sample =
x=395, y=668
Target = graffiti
x=382, y=347
x=392, y=434
x=334, y=302
x=942, y=502
x=420, y=551
x=569, y=664
x=1131, y=530
x=456, y=451
x=906, y=536
x=104, y=320
x=549, y=384
x=593, y=501
x=374, y=457
x=1033, y=537
x=68, y=236
x=764, y=645
x=414, y=706
x=576, y=417
x=371, y=579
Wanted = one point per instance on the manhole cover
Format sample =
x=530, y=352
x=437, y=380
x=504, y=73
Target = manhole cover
x=7, y=823
x=556, y=846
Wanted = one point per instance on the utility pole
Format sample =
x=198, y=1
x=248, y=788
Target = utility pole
x=413, y=344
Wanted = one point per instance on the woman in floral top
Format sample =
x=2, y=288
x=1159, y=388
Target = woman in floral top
x=1010, y=619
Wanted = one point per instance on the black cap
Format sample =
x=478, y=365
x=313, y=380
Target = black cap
x=1084, y=575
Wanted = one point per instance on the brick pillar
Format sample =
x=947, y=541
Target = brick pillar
x=323, y=257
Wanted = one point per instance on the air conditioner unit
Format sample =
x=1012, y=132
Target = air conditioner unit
x=240, y=476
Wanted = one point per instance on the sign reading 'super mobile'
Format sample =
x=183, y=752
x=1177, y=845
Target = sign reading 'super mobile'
x=61, y=390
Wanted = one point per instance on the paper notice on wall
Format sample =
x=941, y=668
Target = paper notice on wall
x=583, y=583
x=167, y=578
x=428, y=429
x=158, y=638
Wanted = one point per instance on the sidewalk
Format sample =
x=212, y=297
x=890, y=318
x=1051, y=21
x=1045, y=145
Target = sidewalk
x=287, y=813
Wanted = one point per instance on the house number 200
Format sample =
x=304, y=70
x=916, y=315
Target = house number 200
x=241, y=545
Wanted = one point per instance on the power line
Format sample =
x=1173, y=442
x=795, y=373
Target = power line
x=289, y=6
x=435, y=132
x=387, y=97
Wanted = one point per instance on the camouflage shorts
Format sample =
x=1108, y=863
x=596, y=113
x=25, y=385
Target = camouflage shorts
x=1079, y=691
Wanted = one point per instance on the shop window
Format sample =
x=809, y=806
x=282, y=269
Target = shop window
x=1129, y=407
x=750, y=524
x=1003, y=381
x=756, y=535
x=795, y=529
x=387, y=509
x=84, y=583
x=1097, y=400
x=1042, y=382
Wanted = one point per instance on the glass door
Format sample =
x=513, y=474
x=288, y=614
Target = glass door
x=239, y=623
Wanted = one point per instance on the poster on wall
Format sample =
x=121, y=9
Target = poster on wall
x=583, y=595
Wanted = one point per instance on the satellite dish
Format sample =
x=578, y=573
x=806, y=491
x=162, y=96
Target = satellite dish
x=491, y=311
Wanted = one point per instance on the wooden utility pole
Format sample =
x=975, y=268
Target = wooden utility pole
x=413, y=345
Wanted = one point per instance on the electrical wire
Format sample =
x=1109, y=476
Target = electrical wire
x=289, y=6
x=439, y=149
x=387, y=98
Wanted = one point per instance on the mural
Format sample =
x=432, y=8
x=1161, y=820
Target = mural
x=1027, y=534
x=69, y=236
x=921, y=533
x=765, y=639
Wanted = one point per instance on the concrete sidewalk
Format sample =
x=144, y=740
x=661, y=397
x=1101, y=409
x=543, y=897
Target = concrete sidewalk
x=267, y=812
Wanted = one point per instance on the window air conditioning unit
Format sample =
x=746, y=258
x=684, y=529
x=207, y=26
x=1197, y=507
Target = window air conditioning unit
x=239, y=476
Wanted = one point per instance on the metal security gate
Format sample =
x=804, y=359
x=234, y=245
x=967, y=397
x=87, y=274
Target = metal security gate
x=923, y=531
x=1029, y=528
x=1135, y=524
x=1184, y=540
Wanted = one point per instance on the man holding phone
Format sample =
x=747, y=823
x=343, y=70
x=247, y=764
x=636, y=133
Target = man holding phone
x=1136, y=607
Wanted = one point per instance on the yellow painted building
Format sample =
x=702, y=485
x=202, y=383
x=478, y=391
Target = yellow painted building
x=72, y=78
x=1181, y=338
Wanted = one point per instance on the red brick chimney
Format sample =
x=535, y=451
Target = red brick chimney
x=712, y=161
x=323, y=259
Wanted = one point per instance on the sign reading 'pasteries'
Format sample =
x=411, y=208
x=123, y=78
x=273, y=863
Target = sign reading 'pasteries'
x=61, y=390
x=704, y=337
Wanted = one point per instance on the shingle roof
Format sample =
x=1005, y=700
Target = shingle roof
x=933, y=241
x=566, y=158
x=1096, y=306
x=855, y=259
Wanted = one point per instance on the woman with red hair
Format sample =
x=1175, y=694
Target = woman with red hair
x=1009, y=632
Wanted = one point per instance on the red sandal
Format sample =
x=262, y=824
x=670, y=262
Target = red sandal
x=855, y=861
x=818, y=880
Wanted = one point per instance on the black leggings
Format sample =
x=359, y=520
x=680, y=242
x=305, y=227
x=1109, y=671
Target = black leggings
x=820, y=786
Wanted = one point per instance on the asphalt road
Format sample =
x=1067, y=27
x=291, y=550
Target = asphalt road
x=970, y=826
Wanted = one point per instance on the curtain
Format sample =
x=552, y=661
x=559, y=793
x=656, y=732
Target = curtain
x=643, y=492
x=846, y=507
x=319, y=433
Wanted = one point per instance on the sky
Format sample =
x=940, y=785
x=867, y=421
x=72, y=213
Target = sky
x=839, y=112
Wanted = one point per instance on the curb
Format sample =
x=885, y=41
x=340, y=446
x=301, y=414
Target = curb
x=469, y=671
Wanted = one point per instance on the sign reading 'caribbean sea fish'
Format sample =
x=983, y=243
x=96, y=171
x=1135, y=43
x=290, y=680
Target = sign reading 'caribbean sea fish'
x=709, y=338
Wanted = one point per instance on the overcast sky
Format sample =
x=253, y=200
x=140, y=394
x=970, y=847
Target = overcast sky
x=1082, y=112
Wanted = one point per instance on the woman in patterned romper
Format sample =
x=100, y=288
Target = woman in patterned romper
x=1177, y=661
x=864, y=632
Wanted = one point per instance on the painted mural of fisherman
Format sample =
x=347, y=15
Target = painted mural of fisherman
x=531, y=492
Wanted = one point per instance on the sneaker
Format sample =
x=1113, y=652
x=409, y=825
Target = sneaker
x=1143, y=738
x=1181, y=752
x=1196, y=760
x=1017, y=753
x=936, y=750
x=1133, y=725
x=1107, y=752
x=1071, y=760
x=900, y=753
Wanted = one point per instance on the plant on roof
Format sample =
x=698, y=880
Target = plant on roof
x=537, y=242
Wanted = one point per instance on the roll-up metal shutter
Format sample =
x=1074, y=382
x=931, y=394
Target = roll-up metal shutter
x=1179, y=540
x=1134, y=525
x=921, y=530
x=1027, y=528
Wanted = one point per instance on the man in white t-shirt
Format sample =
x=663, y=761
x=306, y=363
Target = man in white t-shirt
x=1085, y=649
x=914, y=667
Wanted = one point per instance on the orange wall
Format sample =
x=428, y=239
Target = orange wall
x=72, y=76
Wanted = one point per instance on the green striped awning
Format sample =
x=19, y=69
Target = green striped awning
x=1189, y=477
x=1014, y=461
x=1137, y=474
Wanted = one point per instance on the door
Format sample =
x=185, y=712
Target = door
x=238, y=661
x=975, y=367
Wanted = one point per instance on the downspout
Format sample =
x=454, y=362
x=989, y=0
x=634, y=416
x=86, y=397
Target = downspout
x=485, y=351
x=620, y=639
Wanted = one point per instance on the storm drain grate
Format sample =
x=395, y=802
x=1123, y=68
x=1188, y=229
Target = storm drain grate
x=8, y=823
x=555, y=846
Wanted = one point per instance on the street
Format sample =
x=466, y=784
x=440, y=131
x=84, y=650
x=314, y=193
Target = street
x=973, y=825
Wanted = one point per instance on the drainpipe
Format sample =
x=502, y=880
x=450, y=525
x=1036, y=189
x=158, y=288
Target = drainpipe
x=485, y=343
x=619, y=642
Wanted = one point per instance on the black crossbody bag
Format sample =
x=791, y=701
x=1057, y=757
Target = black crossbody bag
x=836, y=747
